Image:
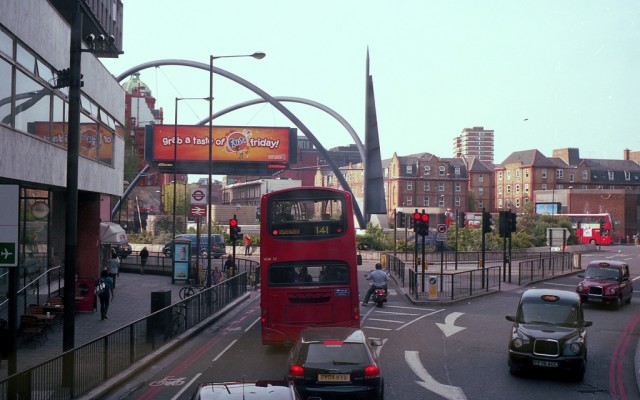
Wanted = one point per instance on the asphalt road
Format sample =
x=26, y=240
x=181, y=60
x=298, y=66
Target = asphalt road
x=456, y=351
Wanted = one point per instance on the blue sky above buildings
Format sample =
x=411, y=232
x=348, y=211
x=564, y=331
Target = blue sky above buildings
x=542, y=75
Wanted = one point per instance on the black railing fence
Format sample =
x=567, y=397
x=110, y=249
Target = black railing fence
x=79, y=370
x=450, y=276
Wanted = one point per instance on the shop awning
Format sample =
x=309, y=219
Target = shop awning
x=112, y=233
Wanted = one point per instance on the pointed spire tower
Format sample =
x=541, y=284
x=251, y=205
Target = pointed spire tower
x=374, y=200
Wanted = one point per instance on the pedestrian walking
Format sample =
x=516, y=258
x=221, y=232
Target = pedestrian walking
x=107, y=294
x=247, y=245
x=216, y=275
x=144, y=255
x=113, y=266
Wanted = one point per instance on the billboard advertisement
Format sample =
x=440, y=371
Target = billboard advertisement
x=233, y=148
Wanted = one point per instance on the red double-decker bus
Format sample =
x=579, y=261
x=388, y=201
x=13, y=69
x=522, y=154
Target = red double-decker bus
x=308, y=263
x=591, y=228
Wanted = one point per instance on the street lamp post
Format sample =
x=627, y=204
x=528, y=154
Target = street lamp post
x=257, y=55
x=175, y=171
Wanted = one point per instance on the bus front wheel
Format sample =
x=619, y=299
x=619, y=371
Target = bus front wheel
x=592, y=241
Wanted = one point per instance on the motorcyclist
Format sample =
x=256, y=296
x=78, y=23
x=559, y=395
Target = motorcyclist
x=379, y=279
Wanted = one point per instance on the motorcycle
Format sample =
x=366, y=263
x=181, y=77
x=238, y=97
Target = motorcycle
x=379, y=295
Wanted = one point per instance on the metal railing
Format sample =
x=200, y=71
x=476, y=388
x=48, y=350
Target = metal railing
x=462, y=276
x=41, y=287
x=77, y=371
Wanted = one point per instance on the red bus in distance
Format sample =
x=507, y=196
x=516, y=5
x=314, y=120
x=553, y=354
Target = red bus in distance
x=591, y=228
x=308, y=263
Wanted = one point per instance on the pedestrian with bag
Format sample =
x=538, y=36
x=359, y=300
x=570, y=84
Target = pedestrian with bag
x=106, y=294
x=144, y=255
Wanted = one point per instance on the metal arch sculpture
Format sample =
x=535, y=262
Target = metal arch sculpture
x=301, y=100
x=286, y=112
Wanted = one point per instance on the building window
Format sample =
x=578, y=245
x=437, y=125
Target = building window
x=426, y=170
x=526, y=188
x=441, y=186
x=457, y=186
x=611, y=175
x=585, y=175
x=544, y=173
x=409, y=185
x=480, y=190
x=559, y=174
x=508, y=189
x=441, y=202
x=560, y=187
x=508, y=174
x=441, y=170
x=572, y=177
x=480, y=204
x=425, y=201
x=409, y=169
x=517, y=202
x=499, y=189
x=526, y=173
x=457, y=171
x=544, y=186
x=480, y=178
x=499, y=175
x=427, y=186
x=408, y=201
x=457, y=201
x=627, y=176
x=499, y=203
x=517, y=188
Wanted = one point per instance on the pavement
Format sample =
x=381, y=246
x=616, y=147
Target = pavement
x=132, y=301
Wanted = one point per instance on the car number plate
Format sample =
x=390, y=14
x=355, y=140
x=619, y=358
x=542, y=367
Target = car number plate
x=548, y=364
x=334, y=377
x=595, y=299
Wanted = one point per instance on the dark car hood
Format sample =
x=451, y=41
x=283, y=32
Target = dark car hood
x=547, y=331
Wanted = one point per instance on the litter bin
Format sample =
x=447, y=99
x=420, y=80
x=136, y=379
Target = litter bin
x=85, y=299
x=432, y=287
x=160, y=299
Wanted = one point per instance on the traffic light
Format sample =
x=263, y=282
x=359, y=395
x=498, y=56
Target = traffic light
x=512, y=220
x=234, y=229
x=487, y=223
x=461, y=219
x=504, y=223
x=416, y=221
x=400, y=219
x=424, y=224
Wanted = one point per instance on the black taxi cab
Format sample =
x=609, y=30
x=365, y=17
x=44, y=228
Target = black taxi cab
x=548, y=333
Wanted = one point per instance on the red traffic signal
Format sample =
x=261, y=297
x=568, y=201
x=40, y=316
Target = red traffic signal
x=424, y=218
x=233, y=222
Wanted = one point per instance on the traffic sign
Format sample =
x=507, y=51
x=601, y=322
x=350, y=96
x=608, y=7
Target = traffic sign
x=442, y=228
x=10, y=200
x=7, y=254
x=197, y=211
x=198, y=197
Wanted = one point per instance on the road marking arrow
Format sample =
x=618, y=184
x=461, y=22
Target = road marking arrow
x=449, y=327
x=427, y=381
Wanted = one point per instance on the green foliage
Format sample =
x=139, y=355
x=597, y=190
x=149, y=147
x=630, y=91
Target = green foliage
x=374, y=238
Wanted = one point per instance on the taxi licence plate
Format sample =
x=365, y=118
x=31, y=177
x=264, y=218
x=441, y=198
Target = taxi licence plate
x=548, y=364
x=334, y=377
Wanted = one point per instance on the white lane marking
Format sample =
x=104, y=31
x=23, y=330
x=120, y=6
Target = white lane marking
x=385, y=320
x=380, y=329
x=418, y=319
x=427, y=381
x=184, y=389
x=252, y=324
x=224, y=350
x=449, y=327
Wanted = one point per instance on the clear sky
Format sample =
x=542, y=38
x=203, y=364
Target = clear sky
x=543, y=74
